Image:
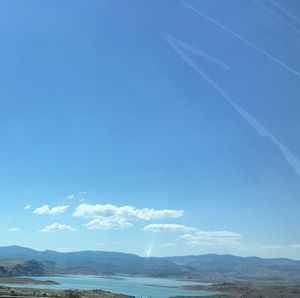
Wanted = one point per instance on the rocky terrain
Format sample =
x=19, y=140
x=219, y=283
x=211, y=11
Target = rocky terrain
x=252, y=290
x=24, y=292
x=21, y=267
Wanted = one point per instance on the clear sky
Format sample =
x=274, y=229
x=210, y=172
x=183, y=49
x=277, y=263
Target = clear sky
x=153, y=127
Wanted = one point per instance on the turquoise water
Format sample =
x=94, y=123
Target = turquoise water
x=135, y=286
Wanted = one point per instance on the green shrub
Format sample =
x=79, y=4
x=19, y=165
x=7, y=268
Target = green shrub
x=73, y=295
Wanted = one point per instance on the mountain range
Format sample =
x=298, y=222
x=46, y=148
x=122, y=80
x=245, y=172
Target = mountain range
x=205, y=267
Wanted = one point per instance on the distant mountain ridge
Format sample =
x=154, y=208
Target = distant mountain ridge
x=205, y=267
x=223, y=261
x=229, y=267
x=97, y=262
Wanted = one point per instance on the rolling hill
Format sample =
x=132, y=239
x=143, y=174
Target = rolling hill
x=21, y=267
x=206, y=267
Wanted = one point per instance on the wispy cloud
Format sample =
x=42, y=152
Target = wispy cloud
x=242, y=39
x=280, y=246
x=210, y=238
x=168, y=228
x=292, y=160
x=287, y=12
x=51, y=211
x=71, y=197
x=14, y=229
x=278, y=16
x=108, y=223
x=85, y=192
x=197, y=51
x=27, y=207
x=109, y=216
x=92, y=211
x=57, y=227
x=167, y=244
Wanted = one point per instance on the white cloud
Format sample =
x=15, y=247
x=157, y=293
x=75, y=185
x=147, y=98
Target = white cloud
x=108, y=223
x=57, y=227
x=27, y=207
x=70, y=197
x=52, y=211
x=13, y=229
x=93, y=211
x=169, y=228
x=109, y=216
x=211, y=238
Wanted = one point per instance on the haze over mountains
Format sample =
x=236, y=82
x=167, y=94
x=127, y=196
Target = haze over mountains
x=205, y=267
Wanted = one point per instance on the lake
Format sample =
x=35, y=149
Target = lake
x=135, y=286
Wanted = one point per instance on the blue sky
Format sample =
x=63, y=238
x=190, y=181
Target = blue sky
x=152, y=127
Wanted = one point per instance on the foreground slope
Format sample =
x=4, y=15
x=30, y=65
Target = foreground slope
x=21, y=267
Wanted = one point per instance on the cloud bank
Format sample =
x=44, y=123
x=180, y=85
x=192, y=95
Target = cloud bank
x=109, y=216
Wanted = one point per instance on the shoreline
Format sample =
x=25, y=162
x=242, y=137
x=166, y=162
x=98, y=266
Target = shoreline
x=26, y=281
x=13, y=286
x=7, y=291
x=272, y=289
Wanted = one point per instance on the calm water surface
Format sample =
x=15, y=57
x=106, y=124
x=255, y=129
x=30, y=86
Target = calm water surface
x=135, y=286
